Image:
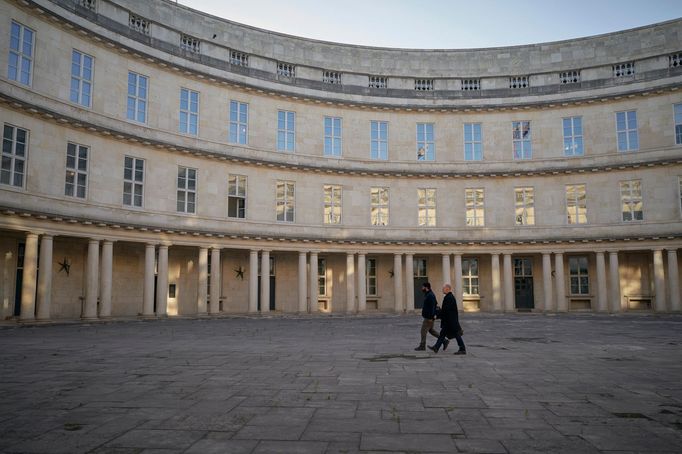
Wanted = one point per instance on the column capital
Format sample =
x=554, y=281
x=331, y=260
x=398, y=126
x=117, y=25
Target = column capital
x=362, y=254
x=108, y=241
x=658, y=249
x=93, y=240
x=612, y=251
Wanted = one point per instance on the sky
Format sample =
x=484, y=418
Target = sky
x=442, y=24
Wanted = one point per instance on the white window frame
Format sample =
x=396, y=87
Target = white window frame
x=186, y=190
x=322, y=276
x=574, y=194
x=524, y=208
x=137, y=98
x=333, y=201
x=11, y=159
x=237, y=190
x=74, y=172
x=378, y=137
x=628, y=132
x=334, y=138
x=629, y=198
x=371, y=280
x=189, y=114
x=23, y=59
x=579, y=276
x=239, y=128
x=379, y=212
x=470, y=146
x=426, y=207
x=286, y=201
x=286, y=135
x=83, y=84
x=524, y=144
x=677, y=120
x=468, y=277
x=426, y=149
x=573, y=142
x=474, y=204
x=679, y=181
x=133, y=182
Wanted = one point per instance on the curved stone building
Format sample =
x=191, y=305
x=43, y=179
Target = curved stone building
x=159, y=161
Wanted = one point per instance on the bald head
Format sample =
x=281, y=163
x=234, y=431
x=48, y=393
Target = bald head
x=447, y=288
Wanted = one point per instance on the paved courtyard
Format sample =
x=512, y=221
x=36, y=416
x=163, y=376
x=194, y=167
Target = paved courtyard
x=530, y=383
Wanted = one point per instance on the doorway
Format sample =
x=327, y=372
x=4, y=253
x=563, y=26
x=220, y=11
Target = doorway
x=523, y=283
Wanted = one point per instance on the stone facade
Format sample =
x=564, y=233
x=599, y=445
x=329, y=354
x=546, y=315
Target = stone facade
x=151, y=260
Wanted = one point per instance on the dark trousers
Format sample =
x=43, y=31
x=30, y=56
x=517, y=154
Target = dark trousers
x=427, y=327
x=441, y=340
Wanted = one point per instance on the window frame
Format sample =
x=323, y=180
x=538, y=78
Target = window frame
x=429, y=216
x=238, y=130
x=371, y=277
x=468, y=276
x=20, y=55
x=678, y=135
x=77, y=171
x=80, y=80
x=133, y=182
x=185, y=126
x=526, y=151
x=336, y=191
x=239, y=179
x=137, y=99
x=477, y=204
x=627, y=131
x=526, y=218
x=13, y=158
x=380, y=207
x=579, y=276
x=289, y=130
x=577, y=144
x=475, y=156
x=429, y=152
x=322, y=276
x=186, y=189
x=376, y=143
x=285, y=201
x=333, y=138
x=629, y=199
x=576, y=205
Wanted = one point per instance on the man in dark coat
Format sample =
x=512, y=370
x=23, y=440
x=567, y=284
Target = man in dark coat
x=428, y=314
x=449, y=324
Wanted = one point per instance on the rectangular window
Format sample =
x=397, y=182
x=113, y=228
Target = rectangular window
x=332, y=136
x=679, y=180
x=524, y=205
x=631, y=200
x=286, y=130
x=426, y=207
x=189, y=111
x=518, y=82
x=423, y=84
x=379, y=206
x=378, y=82
x=379, y=140
x=20, y=64
x=473, y=142
x=331, y=77
x=81, y=78
x=14, y=150
x=332, y=204
x=187, y=190
x=569, y=77
x=470, y=276
x=285, y=201
x=371, y=269
x=521, y=140
x=426, y=147
x=475, y=208
x=626, y=127
x=573, y=136
x=471, y=84
x=624, y=70
x=576, y=204
x=133, y=181
x=580, y=281
x=678, y=123
x=76, y=170
x=236, y=196
x=322, y=276
x=239, y=122
x=137, y=97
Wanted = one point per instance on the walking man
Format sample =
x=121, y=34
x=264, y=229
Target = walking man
x=449, y=324
x=429, y=315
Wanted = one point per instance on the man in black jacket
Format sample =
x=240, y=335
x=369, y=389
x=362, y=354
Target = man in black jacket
x=449, y=324
x=429, y=315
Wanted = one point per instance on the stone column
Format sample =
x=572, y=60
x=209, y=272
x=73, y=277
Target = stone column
x=560, y=281
x=162, y=281
x=409, y=282
x=350, y=282
x=302, y=287
x=314, y=289
x=265, y=281
x=28, y=286
x=253, y=281
x=547, y=281
x=509, y=303
x=659, y=280
x=446, y=270
x=45, y=278
x=202, y=290
x=614, y=281
x=398, y=281
x=91, y=280
x=602, y=299
x=673, y=280
x=148, y=298
x=214, y=307
x=362, y=283
x=497, y=290
x=106, y=278
x=457, y=285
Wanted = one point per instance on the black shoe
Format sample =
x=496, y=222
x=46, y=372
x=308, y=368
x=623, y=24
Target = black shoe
x=433, y=348
x=420, y=348
x=460, y=352
x=445, y=344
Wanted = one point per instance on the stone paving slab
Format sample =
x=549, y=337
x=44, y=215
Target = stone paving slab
x=573, y=383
